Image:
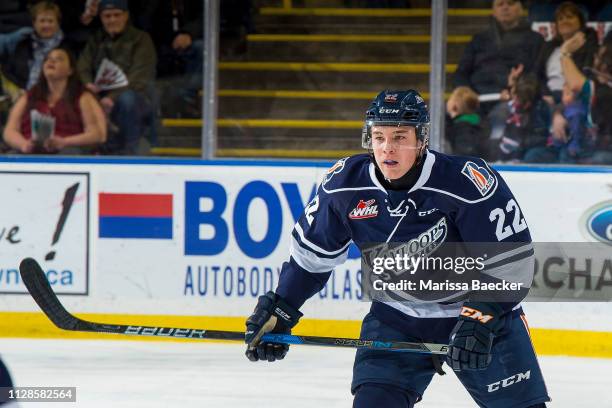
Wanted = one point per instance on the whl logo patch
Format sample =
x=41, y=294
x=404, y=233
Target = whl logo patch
x=391, y=97
x=480, y=176
x=364, y=209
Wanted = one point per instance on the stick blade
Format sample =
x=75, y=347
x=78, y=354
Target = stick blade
x=36, y=282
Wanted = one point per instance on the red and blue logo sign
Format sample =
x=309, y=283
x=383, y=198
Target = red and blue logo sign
x=147, y=216
x=480, y=176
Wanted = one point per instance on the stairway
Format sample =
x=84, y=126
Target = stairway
x=309, y=73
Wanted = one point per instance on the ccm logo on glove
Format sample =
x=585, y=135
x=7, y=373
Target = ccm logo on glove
x=281, y=313
x=475, y=314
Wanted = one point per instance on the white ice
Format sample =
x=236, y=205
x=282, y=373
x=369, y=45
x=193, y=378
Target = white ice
x=163, y=374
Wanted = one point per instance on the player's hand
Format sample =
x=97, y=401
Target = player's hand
x=472, y=337
x=271, y=315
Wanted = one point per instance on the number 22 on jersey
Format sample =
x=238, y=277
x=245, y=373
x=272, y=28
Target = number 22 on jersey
x=518, y=222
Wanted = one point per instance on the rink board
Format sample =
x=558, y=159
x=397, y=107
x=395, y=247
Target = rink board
x=189, y=243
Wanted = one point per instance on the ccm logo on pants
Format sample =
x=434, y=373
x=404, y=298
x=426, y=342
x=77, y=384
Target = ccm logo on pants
x=516, y=378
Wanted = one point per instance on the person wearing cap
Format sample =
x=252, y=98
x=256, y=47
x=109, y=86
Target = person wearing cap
x=507, y=43
x=132, y=50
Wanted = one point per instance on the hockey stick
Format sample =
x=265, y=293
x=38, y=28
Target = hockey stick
x=36, y=281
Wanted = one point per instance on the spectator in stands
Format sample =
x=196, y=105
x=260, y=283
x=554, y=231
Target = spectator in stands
x=79, y=119
x=596, y=91
x=569, y=19
x=8, y=43
x=22, y=61
x=128, y=99
x=528, y=123
x=544, y=10
x=577, y=139
x=464, y=131
x=176, y=28
x=489, y=57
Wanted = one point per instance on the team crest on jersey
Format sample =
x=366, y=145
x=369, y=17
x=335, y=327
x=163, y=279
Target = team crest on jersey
x=335, y=169
x=480, y=176
x=391, y=98
x=364, y=209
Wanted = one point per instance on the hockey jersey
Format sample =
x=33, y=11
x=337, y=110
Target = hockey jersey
x=455, y=199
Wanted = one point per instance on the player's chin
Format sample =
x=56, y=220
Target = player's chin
x=392, y=172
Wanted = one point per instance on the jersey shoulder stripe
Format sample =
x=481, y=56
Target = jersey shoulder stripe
x=466, y=179
x=350, y=174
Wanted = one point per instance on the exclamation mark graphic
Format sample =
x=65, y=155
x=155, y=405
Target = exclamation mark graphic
x=66, y=205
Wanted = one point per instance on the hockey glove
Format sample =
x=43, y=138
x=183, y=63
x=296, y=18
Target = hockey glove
x=271, y=315
x=472, y=337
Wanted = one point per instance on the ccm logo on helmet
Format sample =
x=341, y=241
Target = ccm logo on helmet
x=475, y=314
x=384, y=110
x=513, y=379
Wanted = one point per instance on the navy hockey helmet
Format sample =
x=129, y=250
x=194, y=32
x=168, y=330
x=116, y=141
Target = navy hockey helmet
x=397, y=108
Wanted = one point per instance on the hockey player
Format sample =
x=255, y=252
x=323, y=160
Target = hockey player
x=6, y=383
x=416, y=191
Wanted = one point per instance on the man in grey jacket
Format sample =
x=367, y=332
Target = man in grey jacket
x=132, y=50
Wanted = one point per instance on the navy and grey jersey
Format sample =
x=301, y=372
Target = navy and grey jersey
x=455, y=199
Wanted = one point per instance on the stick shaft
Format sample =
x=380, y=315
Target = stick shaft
x=37, y=284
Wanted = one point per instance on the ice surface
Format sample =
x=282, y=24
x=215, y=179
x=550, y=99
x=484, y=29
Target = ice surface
x=165, y=374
